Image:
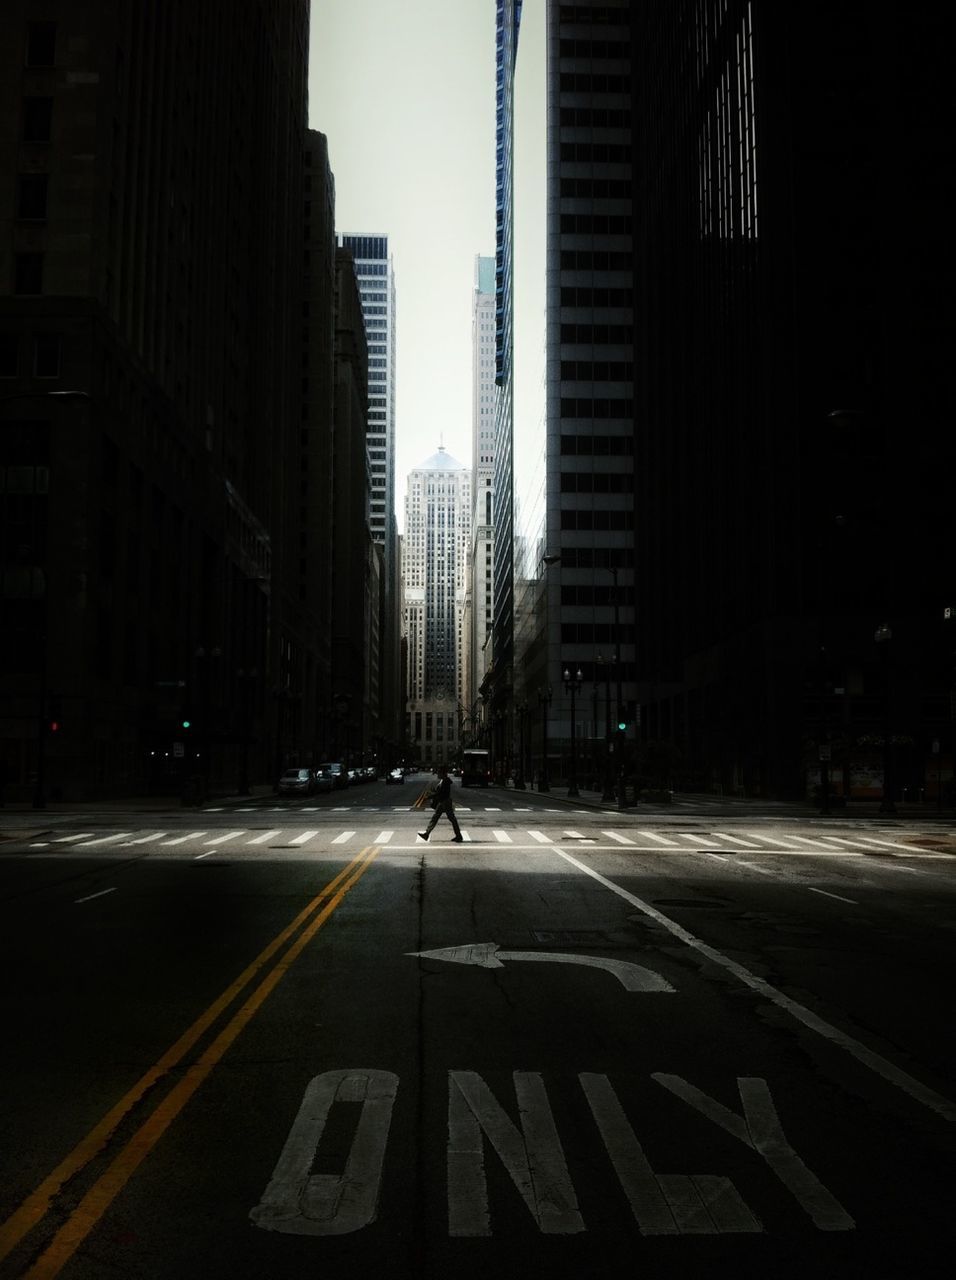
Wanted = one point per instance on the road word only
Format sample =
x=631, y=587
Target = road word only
x=300, y=1202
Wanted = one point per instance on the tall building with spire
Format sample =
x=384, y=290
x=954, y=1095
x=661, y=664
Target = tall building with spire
x=435, y=548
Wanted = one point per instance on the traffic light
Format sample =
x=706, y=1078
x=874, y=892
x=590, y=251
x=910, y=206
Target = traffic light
x=54, y=715
x=187, y=724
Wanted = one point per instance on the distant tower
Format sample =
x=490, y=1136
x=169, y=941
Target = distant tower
x=436, y=542
x=482, y=465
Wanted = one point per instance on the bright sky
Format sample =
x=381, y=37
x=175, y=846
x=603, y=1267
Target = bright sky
x=405, y=92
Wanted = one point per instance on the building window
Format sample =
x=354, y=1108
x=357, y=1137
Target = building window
x=31, y=198
x=46, y=355
x=37, y=119
x=28, y=273
x=41, y=44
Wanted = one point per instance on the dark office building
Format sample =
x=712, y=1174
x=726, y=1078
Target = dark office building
x=793, y=421
x=151, y=251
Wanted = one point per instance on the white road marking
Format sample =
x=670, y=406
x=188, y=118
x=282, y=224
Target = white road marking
x=346, y=835
x=40, y=844
x=745, y=844
x=576, y=835
x=90, y=896
x=852, y=901
x=874, y=1061
x=207, y=854
x=205, y=810
x=304, y=838
x=752, y=866
x=487, y=810
x=383, y=837
x=686, y=835
x=488, y=955
x=886, y=844
x=812, y=844
x=149, y=839
x=193, y=835
x=466, y=837
x=502, y=837
x=614, y=836
x=532, y=1156
x=120, y=835
x=82, y=835
x=264, y=838
x=228, y=835
x=651, y=835
x=721, y=857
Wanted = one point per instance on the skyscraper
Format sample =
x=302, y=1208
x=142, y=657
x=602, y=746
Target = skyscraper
x=376, y=278
x=435, y=550
x=482, y=467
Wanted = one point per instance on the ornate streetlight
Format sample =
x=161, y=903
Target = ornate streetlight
x=572, y=685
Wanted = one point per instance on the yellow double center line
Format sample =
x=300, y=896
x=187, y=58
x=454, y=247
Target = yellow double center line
x=99, y=1197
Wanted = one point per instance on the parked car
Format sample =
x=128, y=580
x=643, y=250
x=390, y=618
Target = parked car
x=296, y=782
x=354, y=778
x=395, y=775
x=337, y=770
x=324, y=780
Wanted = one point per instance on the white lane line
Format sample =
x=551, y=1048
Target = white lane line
x=502, y=837
x=874, y=1061
x=524, y=811
x=651, y=835
x=207, y=854
x=82, y=835
x=304, y=838
x=487, y=810
x=738, y=862
x=341, y=808
x=383, y=837
x=120, y=835
x=721, y=857
x=229, y=835
x=90, y=896
x=346, y=835
x=614, y=836
x=40, y=844
x=852, y=901
x=193, y=835
x=745, y=844
x=264, y=838
x=540, y=837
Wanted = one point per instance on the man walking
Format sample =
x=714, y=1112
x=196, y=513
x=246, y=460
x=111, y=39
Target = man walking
x=443, y=805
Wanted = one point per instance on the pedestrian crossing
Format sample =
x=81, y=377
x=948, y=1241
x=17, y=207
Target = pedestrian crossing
x=726, y=844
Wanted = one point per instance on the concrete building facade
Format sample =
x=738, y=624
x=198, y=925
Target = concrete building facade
x=481, y=563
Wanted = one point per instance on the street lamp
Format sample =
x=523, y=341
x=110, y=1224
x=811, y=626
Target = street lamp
x=544, y=702
x=883, y=635
x=572, y=685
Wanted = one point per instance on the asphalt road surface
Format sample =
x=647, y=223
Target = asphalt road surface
x=278, y=1039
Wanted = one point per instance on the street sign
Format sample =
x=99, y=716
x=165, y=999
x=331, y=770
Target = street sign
x=179, y=749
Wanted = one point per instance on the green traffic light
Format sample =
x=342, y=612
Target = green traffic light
x=622, y=725
x=186, y=724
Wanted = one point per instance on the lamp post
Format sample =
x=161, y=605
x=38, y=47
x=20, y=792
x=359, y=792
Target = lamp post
x=572, y=685
x=608, y=793
x=343, y=702
x=883, y=635
x=544, y=702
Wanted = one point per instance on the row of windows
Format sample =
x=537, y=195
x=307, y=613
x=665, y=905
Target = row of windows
x=597, y=557
x=596, y=224
x=600, y=15
x=597, y=333
x=585, y=521
x=594, y=118
x=588, y=446
x=597, y=482
x=594, y=260
x=596, y=188
x=593, y=633
x=584, y=82
x=45, y=352
x=595, y=152
x=596, y=596
x=580, y=296
x=599, y=407
x=597, y=370
x=595, y=48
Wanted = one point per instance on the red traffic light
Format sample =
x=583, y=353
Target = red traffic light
x=54, y=726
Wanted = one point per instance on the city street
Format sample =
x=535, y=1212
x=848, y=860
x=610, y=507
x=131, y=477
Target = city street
x=273, y=1038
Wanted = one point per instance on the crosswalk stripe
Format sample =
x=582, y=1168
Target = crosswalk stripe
x=502, y=837
x=575, y=835
x=81, y=835
x=228, y=835
x=540, y=837
x=306, y=835
x=487, y=810
x=746, y=844
x=812, y=844
x=466, y=836
x=614, y=836
x=887, y=844
x=346, y=835
x=383, y=837
x=652, y=835
x=193, y=835
x=157, y=835
x=686, y=835
x=266, y=835
x=120, y=835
